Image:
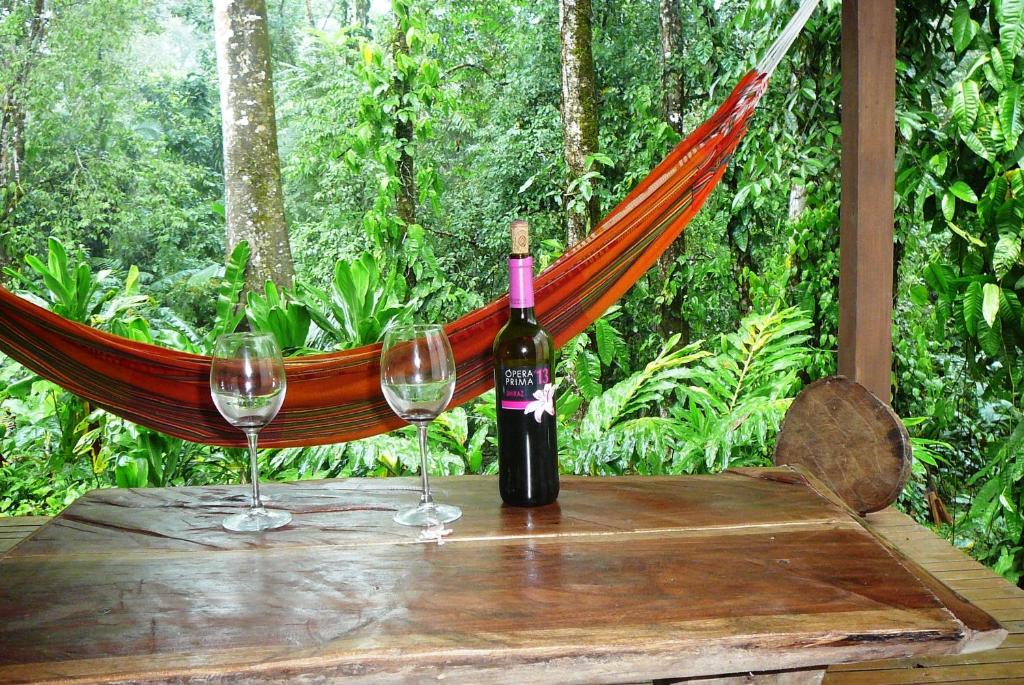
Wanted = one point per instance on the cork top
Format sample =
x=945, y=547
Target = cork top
x=520, y=237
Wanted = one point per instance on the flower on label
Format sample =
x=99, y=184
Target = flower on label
x=544, y=401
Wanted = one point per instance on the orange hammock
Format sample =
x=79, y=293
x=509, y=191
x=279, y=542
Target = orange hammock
x=336, y=397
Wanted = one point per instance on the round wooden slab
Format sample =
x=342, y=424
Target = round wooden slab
x=848, y=438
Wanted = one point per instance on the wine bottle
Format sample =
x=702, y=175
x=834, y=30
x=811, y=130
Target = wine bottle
x=524, y=389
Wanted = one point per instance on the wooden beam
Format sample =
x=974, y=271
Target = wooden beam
x=866, y=209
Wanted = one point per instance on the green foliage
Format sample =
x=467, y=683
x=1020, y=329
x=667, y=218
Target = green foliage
x=360, y=305
x=738, y=397
x=280, y=314
x=122, y=166
x=690, y=410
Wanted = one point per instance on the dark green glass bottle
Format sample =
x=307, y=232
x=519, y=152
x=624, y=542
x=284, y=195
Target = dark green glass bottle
x=524, y=356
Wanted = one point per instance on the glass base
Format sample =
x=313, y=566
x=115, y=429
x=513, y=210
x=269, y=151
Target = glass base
x=255, y=520
x=427, y=515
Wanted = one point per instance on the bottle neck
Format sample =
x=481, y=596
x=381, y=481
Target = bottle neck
x=520, y=272
x=522, y=315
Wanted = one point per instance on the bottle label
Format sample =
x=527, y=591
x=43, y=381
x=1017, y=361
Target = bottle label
x=528, y=390
x=520, y=276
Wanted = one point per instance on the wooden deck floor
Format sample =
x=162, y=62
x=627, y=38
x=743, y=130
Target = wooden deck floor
x=975, y=582
x=972, y=580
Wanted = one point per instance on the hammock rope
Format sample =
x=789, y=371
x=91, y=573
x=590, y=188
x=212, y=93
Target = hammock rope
x=336, y=397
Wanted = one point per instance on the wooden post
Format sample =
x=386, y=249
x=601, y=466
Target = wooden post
x=866, y=210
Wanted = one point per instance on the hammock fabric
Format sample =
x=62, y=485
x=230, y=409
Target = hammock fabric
x=336, y=397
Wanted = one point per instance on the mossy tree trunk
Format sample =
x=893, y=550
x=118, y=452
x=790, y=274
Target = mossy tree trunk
x=579, y=110
x=16, y=60
x=361, y=14
x=406, y=194
x=405, y=202
x=673, y=85
x=252, y=169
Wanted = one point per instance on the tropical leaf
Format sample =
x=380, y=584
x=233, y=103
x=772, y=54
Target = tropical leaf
x=966, y=103
x=972, y=307
x=611, y=346
x=964, y=192
x=990, y=303
x=1010, y=115
x=1005, y=254
x=964, y=28
x=1011, y=25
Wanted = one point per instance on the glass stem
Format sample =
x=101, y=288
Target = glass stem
x=425, y=498
x=254, y=471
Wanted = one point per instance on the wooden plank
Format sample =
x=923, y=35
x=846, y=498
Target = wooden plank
x=981, y=631
x=866, y=206
x=805, y=677
x=611, y=584
x=349, y=512
x=978, y=584
x=992, y=656
x=1010, y=672
x=23, y=521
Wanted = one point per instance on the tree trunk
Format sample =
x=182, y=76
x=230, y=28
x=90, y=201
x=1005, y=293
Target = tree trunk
x=579, y=110
x=361, y=14
x=405, y=202
x=797, y=200
x=671, y=319
x=252, y=169
x=19, y=57
x=673, y=85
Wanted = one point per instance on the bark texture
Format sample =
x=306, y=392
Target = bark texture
x=16, y=60
x=361, y=13
x=579, y=107
x=797, y=200
x=670, y=27
x=405, y=202
x=670, y=24
x=252, y=169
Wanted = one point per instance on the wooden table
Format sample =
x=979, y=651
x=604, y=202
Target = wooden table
x=623, y=580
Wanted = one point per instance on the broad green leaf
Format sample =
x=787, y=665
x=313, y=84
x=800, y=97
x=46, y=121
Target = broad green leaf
x=919, y=295
x=976, y=145
x=1009, y=306
x=588, y=375
x=964, y=192
x=1011, y=25
x=939, y=277
x=1003, y=69
x=990, y=303
x=605, y=341
x=964, y=28
x=1005, y=254
x=948, y=205
x=58, y=260
x=966, y=103
x=972, y=307
x=991, y=339
x=938, y=163
x=1010, y=115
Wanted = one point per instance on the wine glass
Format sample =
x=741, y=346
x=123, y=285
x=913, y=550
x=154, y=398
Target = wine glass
x=417, y=376
x=248, y=385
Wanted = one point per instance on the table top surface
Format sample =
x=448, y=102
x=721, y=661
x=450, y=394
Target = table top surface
x=623, y=579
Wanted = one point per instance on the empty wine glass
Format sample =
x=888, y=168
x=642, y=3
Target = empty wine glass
x=248, y=385
x=417, y=375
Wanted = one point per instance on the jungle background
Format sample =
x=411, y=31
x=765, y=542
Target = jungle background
x=410, y=133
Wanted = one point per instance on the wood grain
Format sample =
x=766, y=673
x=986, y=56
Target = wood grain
x=965, y=576
x=848, y=438
x=626, y=579
x=866, y=204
